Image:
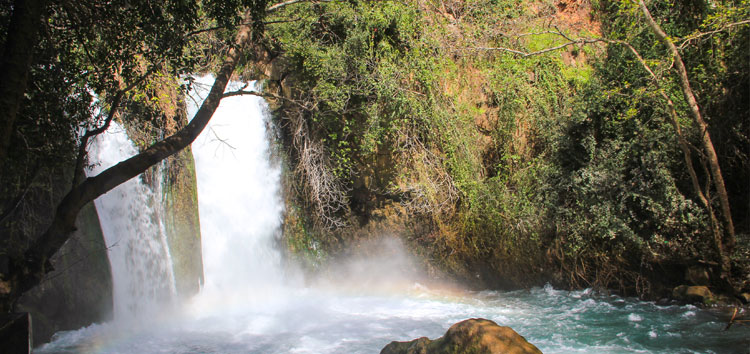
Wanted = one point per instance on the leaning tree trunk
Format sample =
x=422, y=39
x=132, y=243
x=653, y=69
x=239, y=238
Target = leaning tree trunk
x=26, y=273
x=15, y=64
x=708, y=146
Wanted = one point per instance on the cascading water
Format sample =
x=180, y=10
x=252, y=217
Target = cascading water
x=249, y=305
x=239, y=201
x=142, y=275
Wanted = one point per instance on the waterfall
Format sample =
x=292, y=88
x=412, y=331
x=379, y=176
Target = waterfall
x=238, y=198
x=249, y=305
x=142, y=276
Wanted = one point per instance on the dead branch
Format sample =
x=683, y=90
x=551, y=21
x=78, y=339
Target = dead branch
x=323, y=188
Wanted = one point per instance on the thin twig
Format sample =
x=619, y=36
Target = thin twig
x=291, y=2
x=546, y=50
x=242, y=92
x=692, y=37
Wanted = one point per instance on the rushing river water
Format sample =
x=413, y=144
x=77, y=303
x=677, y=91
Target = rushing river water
x=252, y=304
x=315, y=321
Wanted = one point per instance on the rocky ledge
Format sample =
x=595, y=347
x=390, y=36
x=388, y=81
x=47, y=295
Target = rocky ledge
x=476, y=335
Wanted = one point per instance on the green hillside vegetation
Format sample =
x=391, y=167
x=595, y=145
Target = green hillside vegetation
x=510, y=169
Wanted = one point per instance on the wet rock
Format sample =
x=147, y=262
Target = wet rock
x=417, y=346
x=15, y=333
x=693, y=294
x=182, y=222
x=476, y=335
x=79, y=291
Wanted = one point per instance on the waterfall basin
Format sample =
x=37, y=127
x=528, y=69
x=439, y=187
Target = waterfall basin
x=310, y=320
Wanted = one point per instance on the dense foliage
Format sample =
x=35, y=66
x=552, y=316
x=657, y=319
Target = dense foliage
x=562, y=164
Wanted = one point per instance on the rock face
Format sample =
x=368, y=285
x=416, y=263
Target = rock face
x=79, y=290
x=476, y=335
x=182, y=222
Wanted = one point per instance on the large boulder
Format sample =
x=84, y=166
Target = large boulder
x=694, y=294
x=476, y=335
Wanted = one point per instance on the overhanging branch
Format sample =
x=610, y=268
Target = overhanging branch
x=28, y=271
x=264, y=95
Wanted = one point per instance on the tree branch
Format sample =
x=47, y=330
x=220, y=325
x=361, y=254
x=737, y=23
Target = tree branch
x=292, y=2
x=692, y=37
x=522, y=54
x=114, y=106
x=16, y=202
x=242, y=92
x=708, y=146
x=27, y=272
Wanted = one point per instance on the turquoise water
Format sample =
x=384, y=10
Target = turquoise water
x=326, y=321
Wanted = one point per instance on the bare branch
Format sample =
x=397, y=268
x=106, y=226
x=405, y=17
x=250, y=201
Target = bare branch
x=292, y=2
x=546, y=50
x=16, y=202
x=323, y=188
x=690, y=38
x=242, y=92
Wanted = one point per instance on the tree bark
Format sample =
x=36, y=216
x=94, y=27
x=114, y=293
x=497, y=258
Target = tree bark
x=685, y=147
x=708, y=146
x=28, y=272
x=15, y=64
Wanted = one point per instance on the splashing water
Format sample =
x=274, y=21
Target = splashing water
x=142, y=276
x=239, y=203
x=250, y=305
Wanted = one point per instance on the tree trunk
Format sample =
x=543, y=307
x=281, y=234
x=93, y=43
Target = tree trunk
x=28, y=272
x=15, y=64
x=708, y=146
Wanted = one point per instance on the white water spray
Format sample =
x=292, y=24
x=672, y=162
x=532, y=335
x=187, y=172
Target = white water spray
x=239, y=201
x=142, y=276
